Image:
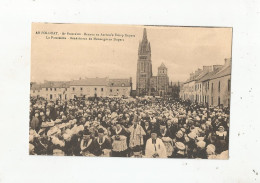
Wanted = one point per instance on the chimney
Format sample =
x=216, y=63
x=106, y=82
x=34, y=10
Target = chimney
x=207, y=68
x=216, y=67
x=197, y=72
x=227, y=61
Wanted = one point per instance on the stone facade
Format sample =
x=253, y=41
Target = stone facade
x=212, y=88
x=146, y=83
x=88, y=87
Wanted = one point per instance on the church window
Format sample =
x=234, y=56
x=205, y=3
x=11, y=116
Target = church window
x=142, y=67
x=102, y=89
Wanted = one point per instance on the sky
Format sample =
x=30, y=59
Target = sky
x=181, y=49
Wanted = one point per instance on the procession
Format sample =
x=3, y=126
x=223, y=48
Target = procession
x=138, y=113
x=128, y=127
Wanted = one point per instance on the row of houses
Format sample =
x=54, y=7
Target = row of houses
x=210, y=85
x=88, y=87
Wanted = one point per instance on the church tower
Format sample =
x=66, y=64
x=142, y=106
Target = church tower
x=163, y=80
x=144, y=66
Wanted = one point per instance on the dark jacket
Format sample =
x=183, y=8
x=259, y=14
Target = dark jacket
x=99, y=147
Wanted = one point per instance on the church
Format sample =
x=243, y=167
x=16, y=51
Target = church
x=146, y=83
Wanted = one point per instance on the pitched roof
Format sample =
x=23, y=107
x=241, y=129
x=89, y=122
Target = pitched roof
x=55, y=84
x=223, y=72
x=198, y=77
x=119, y=82
x=208, y=75
x=90, y=82
x=36, y=86
x=220, y=72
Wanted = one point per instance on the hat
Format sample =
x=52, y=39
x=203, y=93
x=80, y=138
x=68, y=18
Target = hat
x=180, y=145
x=192, y=135
x=221, y=127
x=66, y=136
x=80, y=128
x=58, y=152
x=57, y=141
x=210, y=149
x=201, y=144
x=183, y=130
x=100, y=130
x=179, y=134
x=223, y=155
x=200, y=138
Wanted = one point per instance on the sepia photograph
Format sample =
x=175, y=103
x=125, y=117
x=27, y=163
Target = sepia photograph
x=135, y=91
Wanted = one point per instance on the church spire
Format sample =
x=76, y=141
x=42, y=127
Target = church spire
x=144, y=35
x=144, y=45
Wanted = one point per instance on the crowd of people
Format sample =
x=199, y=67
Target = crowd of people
x=128, y=127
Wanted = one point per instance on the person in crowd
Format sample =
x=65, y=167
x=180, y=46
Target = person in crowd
x=221, y=138
x=179, y=150
x=155, y=147
x=136, y=134
x=35, y=123
x=147, y=129
x=98, y=125
x=86, y=144
x=101, y=145
x=119, y=137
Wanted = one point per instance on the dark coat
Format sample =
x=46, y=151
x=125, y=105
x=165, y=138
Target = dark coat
x=90, y=148
x=98, y=148
x=35, y=123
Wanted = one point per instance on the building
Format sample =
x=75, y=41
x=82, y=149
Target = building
x=217, y=87
x=50, y=90
x=146, y=83
x=192, y=89
x=88, y=87
x=211, y=87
